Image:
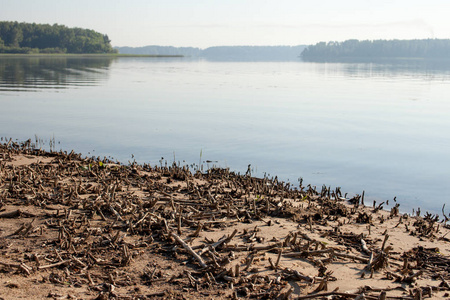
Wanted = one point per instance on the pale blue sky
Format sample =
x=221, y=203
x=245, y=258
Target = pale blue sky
x=201, y=23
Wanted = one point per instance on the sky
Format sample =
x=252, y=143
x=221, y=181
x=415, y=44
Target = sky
x=205, y=23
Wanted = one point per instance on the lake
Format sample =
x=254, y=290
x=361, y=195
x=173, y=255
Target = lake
x=382, y=128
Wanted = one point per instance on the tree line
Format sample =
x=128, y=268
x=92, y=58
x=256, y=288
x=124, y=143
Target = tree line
x=355, y=49
x=223, y=53
x=32, y=38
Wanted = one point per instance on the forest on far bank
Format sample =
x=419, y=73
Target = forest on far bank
x=378, y=49
x=31, y=38
x=222, y=53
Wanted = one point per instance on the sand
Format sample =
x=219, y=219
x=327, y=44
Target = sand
x=77, y=228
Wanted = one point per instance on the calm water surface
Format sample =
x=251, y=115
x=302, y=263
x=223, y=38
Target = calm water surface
x=383, y=128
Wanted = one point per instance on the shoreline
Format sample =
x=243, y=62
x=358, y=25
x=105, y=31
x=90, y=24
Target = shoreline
x=112, y=230
x=69, y=55
x=370, y=197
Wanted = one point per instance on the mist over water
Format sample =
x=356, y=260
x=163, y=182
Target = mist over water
x=380, y=127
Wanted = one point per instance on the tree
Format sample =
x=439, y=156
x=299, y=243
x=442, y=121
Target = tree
x=25, y=37
x=354, y=49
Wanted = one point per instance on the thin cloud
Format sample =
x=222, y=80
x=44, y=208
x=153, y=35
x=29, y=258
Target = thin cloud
x=203, y=26
x=415, y=23
x=407, y=23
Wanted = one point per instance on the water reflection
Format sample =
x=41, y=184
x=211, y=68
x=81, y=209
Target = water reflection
x=30, y=74
x=382, y=128
x=386, y=68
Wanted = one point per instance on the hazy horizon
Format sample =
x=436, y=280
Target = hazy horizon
x=204, y=24
x=212, y=46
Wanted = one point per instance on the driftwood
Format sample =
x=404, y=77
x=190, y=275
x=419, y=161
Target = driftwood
x=22, y=267
x=331, y=252
x=55, y=264
x=348, y=295
x=189, y=249
x=105, y=216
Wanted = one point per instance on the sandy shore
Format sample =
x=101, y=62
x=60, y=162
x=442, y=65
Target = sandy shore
x=75, y=228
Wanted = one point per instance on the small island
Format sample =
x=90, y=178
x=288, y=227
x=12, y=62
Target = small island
x=378, y=49
x=27, y=38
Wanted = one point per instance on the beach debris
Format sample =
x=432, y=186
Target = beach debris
x=213, y=234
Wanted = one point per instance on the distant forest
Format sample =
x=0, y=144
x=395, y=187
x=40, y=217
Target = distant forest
x=29, y=38
x=378, y=49
x=223, y=53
